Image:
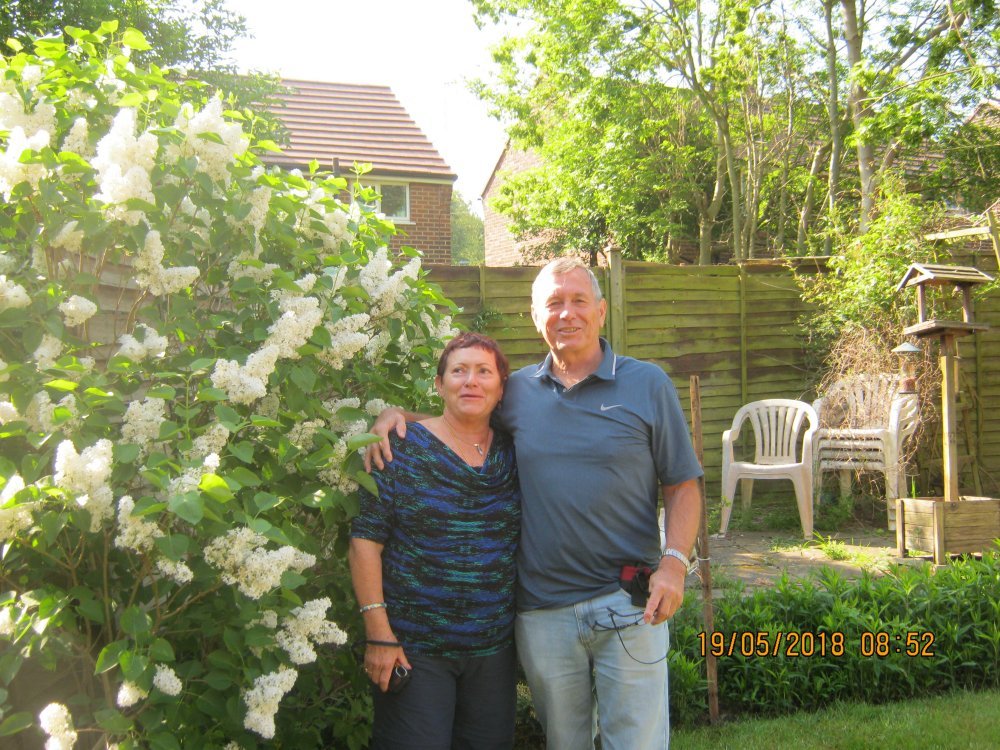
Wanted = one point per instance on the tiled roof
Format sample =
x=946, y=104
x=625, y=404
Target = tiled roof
x=354, y=123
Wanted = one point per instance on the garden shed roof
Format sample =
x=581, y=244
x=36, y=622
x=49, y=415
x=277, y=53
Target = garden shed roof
x=341, y=123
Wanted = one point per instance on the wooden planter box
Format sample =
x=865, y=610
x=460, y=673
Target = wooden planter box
x=946, y=528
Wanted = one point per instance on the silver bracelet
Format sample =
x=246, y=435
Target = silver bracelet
x=672, y=552
x=370, y=607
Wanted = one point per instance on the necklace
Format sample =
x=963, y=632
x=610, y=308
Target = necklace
x=478, y=446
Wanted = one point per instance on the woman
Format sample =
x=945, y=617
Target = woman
x=432, y=561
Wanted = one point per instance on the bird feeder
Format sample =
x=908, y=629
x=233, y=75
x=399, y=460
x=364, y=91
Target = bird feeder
x=947, y=526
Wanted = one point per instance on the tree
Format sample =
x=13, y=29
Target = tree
x=193, y=346
x=468, y=245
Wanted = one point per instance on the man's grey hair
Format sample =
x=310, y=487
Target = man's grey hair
x=561, y=266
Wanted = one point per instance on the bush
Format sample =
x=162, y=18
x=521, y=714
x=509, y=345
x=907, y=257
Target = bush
x=193, y=346
x=959, y=606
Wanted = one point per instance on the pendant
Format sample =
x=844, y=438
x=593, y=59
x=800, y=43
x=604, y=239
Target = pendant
x=478, y=447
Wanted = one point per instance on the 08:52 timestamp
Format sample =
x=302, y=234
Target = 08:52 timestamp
x=791, y=644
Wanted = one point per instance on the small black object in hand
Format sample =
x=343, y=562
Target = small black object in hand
x=634, y=579
x=400, y=677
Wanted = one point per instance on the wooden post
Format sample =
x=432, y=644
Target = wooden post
x=949, y=387
x=482, y=287
x=994, y=235
x=616, y=302
x=744, y=356
x=940, y=552
x=704, y=559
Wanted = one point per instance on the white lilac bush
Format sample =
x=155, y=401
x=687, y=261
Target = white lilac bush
x=192, y=346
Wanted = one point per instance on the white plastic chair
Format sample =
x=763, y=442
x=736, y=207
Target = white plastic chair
x=783, y=431
x=865, y=422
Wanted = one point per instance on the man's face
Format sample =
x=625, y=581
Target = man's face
x=567, y=314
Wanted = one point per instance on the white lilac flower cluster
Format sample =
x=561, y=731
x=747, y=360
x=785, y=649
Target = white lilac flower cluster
x=247, y=383
x=383, y=289
x=302, y=433
x=56, y=722
x=264, y=698
x=134, y=533
x=141, y=424
x=243, y=561
x=166, y=680
x=18, y=518
x=299, y=318
x=77, y=139
x=48, y=352
x=129, y=694
x=8, y=412
x=151, y=345
x=212, y=440
x=175, y=570
x=347, y=338
x=69, y=238
x=214, y=157
x=77, y=310
x=336, y=219
x=7, y=624
x=12, y=170
x=40, y=117
x=86, y=474
x=123, y=163
x=151, y=274
x=305, y=627
x=12, y=295
x=189, y=479
x=40, y=414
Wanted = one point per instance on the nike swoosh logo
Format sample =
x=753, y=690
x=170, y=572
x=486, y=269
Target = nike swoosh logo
x=613, y=406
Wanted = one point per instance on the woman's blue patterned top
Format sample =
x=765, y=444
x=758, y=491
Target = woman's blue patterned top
x=449, y=532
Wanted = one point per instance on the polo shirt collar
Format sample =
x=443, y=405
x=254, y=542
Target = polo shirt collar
x=605, y=370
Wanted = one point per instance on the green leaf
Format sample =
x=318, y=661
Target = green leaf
x=215, y=487
x=188, y=506
x=174, y=546
x=161, y=650
x=126, y=453
x=62, y=385
x=360, y=441
x=134, y=39
x=165, y=392
x=363, y=478
x=16, y=723
x=258, y=421
x=292, y=580
x=228, y=416
x=92, y=609
x=243, y=451
x=168, y=429
x=131, y=99
x=265, y=501
x=134, y=621
x=212, y=394
x=244, y=476
x=164, y=741
x=112, y=721
x=218, y=680
x=108, y=658
x=304, y=378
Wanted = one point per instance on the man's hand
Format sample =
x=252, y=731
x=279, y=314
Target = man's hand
x=379, y=454
x=666, y=591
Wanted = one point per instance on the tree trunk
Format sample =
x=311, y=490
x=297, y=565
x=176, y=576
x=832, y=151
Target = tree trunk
x=833, y=113
x=858, y=104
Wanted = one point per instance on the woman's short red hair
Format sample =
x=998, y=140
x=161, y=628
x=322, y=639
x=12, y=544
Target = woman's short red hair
x=469, y=340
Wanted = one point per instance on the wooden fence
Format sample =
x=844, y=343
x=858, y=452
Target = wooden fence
x=737, y=327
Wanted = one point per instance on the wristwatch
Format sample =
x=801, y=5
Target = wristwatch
x=672, y=552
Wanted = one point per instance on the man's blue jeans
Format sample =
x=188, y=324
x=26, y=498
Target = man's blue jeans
x=591, y=651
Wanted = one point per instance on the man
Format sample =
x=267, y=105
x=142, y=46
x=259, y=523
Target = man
x=598, y=437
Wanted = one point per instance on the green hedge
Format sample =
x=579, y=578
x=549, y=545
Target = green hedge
x=952, y=612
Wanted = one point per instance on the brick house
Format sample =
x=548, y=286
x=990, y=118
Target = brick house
x=502, y=248
x=339, y=124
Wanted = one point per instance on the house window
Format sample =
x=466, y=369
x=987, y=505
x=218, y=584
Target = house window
x=395, y=203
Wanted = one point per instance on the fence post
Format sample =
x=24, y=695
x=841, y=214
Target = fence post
x=616, y=302
x=482, y=287
x=744, y=389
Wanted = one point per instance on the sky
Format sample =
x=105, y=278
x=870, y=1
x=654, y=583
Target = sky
x=424, y=50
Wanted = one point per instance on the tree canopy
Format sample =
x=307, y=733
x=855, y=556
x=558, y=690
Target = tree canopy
x=742, y=122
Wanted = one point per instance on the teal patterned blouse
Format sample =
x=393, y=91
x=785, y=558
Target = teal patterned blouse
x=449, y=532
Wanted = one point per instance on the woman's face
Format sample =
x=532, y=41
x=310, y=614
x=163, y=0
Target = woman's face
x=470, y=386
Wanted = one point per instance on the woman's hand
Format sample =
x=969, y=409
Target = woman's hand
x=378, y=454
x=381, y=660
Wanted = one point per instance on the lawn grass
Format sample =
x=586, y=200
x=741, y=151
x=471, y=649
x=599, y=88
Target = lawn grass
x=950, y=722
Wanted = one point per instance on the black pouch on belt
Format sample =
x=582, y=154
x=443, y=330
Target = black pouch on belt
x=635, y=580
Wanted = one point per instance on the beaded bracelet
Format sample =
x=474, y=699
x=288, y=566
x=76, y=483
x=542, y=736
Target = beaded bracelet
x=370, y=607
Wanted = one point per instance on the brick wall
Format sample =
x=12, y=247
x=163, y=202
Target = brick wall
x=429, y=230
x=502, y=249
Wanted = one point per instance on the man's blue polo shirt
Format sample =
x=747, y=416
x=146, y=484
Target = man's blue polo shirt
x=591, y=460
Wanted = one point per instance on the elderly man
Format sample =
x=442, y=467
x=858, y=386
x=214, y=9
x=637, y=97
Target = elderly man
x=598, y=437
